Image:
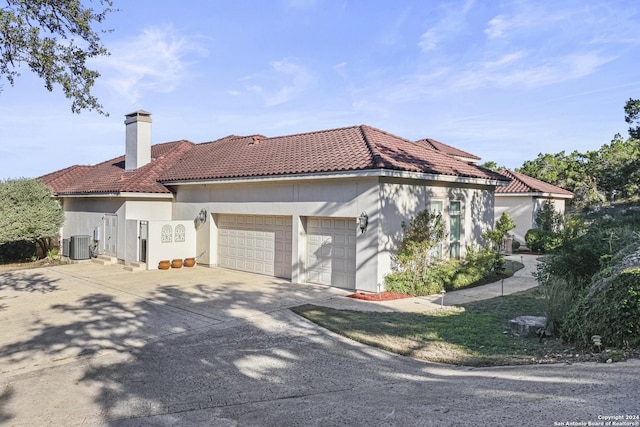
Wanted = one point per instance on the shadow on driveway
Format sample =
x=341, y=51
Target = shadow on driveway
x=216, y=350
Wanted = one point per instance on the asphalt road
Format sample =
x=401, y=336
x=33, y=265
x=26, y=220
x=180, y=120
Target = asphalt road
x=95, y=345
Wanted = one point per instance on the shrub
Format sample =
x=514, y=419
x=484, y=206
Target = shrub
x=52, y=254
x=533, y=239
x=496, y=236
x=19, y=250
x=413, y=262
x=611, y=309
x=515, y=246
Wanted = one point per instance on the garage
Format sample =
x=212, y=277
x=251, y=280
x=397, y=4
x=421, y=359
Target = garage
x=255, y=243
x=331, y=252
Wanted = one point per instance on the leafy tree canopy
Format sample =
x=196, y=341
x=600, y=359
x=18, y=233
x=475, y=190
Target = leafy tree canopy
x=54, y=39
x=610, y=173
x=632, y=116
x=491, y=165
x=28, y=212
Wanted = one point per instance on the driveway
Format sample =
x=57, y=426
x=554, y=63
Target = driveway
x=96, y=345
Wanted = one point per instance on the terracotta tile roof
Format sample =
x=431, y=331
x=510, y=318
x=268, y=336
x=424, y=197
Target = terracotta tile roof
x=345, y=149
x=111, y=177
x=521, y=183
x=447, y=149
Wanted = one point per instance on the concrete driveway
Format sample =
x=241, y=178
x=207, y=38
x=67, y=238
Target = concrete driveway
x=95, y=345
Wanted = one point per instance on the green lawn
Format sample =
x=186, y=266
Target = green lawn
x=475, y=334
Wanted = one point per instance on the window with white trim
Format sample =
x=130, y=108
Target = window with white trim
x=436, y=206
x=455, y=228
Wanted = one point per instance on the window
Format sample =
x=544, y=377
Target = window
x=436, y=207
x=454, y=229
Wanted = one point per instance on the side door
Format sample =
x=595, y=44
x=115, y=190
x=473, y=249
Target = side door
x=110, y=244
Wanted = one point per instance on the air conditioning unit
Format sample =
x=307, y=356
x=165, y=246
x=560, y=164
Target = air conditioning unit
x=79, y=247
x=65, y=247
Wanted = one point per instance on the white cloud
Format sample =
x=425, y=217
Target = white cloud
x=498, y=26
x=519, y=70
x=429, y=40
x=157, y=60
x=450, y=23
x=284, y=81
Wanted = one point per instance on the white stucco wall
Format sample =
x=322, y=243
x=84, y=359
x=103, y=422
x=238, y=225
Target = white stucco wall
x=84, y=214
x=338, y=198
x=523, y=210
x=520, y=209
x=402, y=200
x=387, y=202
x=159, y=250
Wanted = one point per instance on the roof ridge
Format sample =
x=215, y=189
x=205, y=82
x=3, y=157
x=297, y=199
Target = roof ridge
x=455, y=151
x=315, y=132
x=374, y=158
x=533, y=184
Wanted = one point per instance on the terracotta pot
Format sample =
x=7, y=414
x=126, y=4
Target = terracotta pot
x=164, y=264
x=189, y=262
x=176, y=263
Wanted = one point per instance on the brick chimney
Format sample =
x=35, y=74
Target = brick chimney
x=138, y=135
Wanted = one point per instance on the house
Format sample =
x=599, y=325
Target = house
x=323, y=207
x=524, y=197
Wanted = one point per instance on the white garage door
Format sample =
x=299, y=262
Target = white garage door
x=255, y=243
x=331, y=252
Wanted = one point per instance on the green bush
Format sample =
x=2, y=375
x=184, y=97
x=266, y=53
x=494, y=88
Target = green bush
x=19, y=250
x=404, y=282
x=477, y=268
x=515, y=246
x=533, y=240
x=610, y=309
x=414, y=262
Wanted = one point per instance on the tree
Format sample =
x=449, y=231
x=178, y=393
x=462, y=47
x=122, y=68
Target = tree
x=422, y=234
x=54, y=39
x=491, y=165
x=496, y=236
x=632, y=116
x=28, y=212
x=547, y=234
x=616, y=167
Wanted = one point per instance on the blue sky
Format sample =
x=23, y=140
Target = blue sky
x=504, y=80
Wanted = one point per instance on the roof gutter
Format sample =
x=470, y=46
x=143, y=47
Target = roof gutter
x=369, y=173
x=536, y=194
x=168, y=196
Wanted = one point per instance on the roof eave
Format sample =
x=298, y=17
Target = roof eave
x=366, y=173
x=536, y=194
x=109, y=195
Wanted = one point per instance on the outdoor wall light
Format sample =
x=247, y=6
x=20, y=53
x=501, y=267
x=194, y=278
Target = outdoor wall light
x=597, y=341
x=363, y=222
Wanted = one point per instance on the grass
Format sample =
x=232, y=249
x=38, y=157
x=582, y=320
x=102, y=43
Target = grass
x=475, y=334
x=510, y=267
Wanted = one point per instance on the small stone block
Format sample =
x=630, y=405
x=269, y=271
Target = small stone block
x=527, y=326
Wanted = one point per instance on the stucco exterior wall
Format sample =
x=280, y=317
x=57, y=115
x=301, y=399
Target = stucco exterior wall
x=338, y=198
x=558, y=205
x=387, y=202
x=523, y=210
x=159, y=249
x=84, y=215
x=401, y=200
x=520, y=209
